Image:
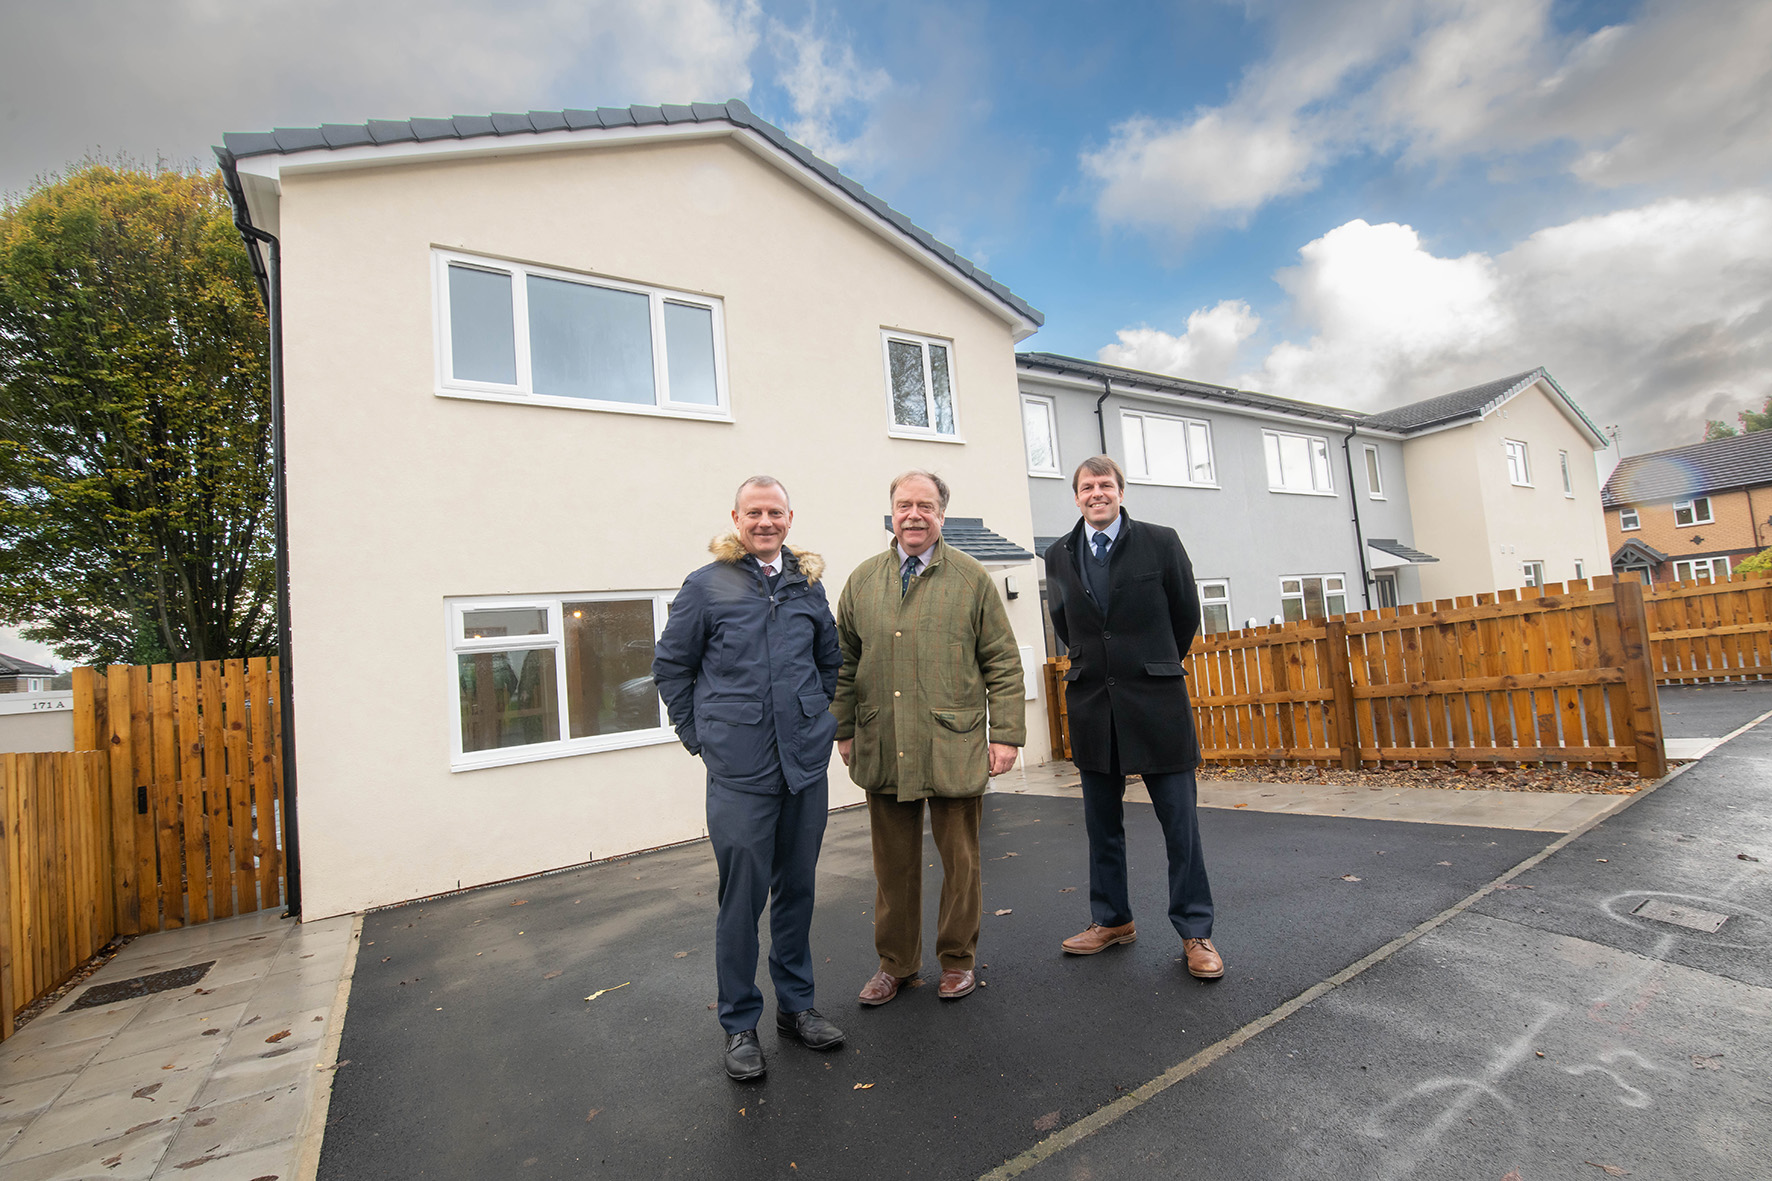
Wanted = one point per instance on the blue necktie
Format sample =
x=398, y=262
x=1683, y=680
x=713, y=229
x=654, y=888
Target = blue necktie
x=907, y=572
x=1101, y=547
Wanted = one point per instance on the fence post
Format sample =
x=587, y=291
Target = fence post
x=1341, y=684
x=85, y=682
x=1639, y=677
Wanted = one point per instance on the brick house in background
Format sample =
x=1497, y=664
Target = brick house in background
x=1689, y=514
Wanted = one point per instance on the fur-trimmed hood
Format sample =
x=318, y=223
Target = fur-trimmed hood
x=728, y=548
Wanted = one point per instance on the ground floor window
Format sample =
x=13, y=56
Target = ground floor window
x=1534, y=573
x=1215, y=606
x=1702, y=570
x=543, y=677
x=1312, y=596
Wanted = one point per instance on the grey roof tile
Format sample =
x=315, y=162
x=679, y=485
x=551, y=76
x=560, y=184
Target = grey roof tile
x=1641, y=550
x=1391, y=545
x=1465, y=403
x=1718, y=465
x=238, y=145
x=1197, y=389
x=17, y=666
x=970, y=536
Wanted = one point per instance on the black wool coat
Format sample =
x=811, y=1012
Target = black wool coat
x=1126, y=680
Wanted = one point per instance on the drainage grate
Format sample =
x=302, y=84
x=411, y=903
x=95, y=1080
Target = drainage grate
x=1682, y=916
x=128, y=990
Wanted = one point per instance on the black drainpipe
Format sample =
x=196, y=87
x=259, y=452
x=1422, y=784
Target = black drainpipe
x=1353, y=493
x=271, y=287
x=1107, y=387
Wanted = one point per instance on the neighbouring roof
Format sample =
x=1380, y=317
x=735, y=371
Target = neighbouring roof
x=1476, y=402
x=1042, y=544
x=969, y=536
x=1229, y=395
x=12, y=666
x=1718, y=465
x=1634, y=550
x=378, y=133
x=1397, y=549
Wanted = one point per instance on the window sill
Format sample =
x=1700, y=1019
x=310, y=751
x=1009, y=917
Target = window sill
x=1046, y=475
x=541, y=752
x=1517, y=484
x=711, y=414
x=1146, y=480
x=1299, y=492
x=1630, y=529
x=1370, y=496
x=1694, y=524
x=923, y=436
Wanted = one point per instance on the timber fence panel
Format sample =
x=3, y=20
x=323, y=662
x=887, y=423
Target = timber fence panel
x=1712, y=630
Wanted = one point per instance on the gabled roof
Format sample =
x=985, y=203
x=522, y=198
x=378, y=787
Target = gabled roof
x=392, y=136
x=12, y=666
x=1477, y=402
x=1718, y=465
x=969, y=536
x=1639, y=551
x=1228, y=395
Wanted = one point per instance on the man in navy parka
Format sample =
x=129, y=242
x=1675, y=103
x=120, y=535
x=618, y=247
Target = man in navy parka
x=747, y=666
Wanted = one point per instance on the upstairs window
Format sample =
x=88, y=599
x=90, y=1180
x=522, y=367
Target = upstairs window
x=920, y=386
x=1039, y=428
x=1374, y=478
x=1298, y=463
x=1568, y=480
x=1519, y=468
x=1215, y=606
x=1627, y=519
x=1692, y=512
x=521, y=333
x=1163, y=449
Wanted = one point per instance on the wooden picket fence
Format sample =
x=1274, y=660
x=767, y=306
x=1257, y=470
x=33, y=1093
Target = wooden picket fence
x=1562, y=676
x=1711, y=631
x=167, y=814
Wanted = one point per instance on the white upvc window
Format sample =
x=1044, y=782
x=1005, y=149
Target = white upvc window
x=1298, y=463
x=1312, y=596
x=541, y=677
x=1374, y=477
x=1039, y=428
x=921, y=402
x=512, y=332
x=1215, y=606
x=1692, y=512
x=1519, y=466
x=1701, y=570
x=1568, y=480
x=1627, y=520
x=1164, y=449
x=1533, y=573
x=1580, y=568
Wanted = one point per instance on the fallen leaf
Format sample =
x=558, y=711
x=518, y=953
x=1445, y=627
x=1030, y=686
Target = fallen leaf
x=862, y=1087
x=1234, y=806
x=146, y=1092
x=1050, y=1120
x=1348, y=877
x=1745, y=857
x=1004, y=911
x=277, y=1037
x=209, y=1033
x=203, y=1123
x=1707, y=1061
x=520, y=902
x=1068, y=890
x=549, y=975
x=202, y=1160
x=741, y=1111
x=678, y=955
x=139, y=1127
x=111, y=1162
x=1609, y=1170
x=1602, y=861
x=1540, y=1053
x=1442, y=863
x=601, y=991
x=1514, y=1175
x=592, y=1114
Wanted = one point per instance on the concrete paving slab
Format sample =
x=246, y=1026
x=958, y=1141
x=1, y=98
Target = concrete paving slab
x=130, y=1157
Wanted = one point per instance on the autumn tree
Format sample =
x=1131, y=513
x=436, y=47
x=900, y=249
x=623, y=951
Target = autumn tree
x=1750, y=420
x=135, y=473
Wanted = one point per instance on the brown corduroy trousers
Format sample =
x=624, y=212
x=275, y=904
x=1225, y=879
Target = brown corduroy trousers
x=897, y=830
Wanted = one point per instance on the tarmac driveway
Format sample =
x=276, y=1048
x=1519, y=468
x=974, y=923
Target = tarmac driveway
x=472, y=1052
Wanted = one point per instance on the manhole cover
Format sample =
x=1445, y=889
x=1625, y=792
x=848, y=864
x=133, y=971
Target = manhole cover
x=128, y=990
x=1681, y=916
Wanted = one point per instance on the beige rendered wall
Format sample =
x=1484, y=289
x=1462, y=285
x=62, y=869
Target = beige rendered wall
x=400, y=498
x=1480, y=525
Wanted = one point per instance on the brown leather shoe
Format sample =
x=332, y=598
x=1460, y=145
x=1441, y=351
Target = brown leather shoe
x=1099, y=938
x=881, y=988
x=956, y=983
x=1203, y=959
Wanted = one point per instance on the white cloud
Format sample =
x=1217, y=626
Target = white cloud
x=1654, y=318
x=823, y=80
x=1205, y=351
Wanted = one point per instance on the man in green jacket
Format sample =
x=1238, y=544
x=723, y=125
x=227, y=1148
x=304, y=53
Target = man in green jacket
x=929, y=707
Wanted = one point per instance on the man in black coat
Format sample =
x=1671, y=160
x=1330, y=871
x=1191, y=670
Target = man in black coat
x=1124, y=603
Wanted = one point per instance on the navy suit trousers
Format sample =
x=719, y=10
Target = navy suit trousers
x=1173, y=798
x=765, y=845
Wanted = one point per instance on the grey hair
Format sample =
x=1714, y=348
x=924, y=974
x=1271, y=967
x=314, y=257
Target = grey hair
x=917, y=473
x=762, y=482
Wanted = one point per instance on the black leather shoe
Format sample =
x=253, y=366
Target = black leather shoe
x=744, y=1057
x=809, y=1026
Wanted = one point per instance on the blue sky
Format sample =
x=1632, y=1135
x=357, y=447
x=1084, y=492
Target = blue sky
x=1361, y=202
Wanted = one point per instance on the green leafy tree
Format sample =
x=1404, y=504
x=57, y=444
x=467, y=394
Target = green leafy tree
x=1716, y=428
x=135, y=518
x=1750, y=420
x=1760, y=563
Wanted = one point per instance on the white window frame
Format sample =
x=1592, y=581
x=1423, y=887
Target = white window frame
x=1049, y=407
x=1374, y=472
x=1138, y=461
x=1533, y=573
x=1628, y=520
x=1315, y=442
x=1519, y=463
x=1580, y=568
x=1568, y=477
x=1692, y=565
x=455, y=645
x=1301, y=579
x=928, y=433
x=1219, y=584
x=1690, y=507
x=523, y=390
